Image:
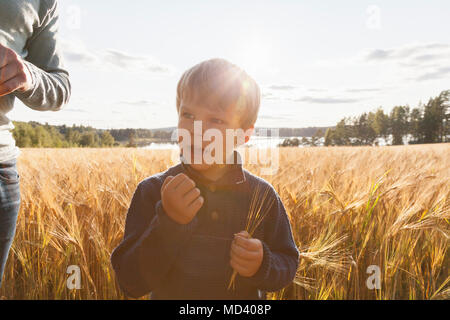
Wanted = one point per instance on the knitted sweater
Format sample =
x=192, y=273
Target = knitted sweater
x=174, y=261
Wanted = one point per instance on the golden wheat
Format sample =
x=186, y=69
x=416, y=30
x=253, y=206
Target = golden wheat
x=349, y=207
x=258, y=210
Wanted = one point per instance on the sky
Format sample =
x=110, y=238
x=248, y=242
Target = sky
x=315, y=62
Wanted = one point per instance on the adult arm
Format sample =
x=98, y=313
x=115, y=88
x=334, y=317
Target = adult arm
x=50, y=87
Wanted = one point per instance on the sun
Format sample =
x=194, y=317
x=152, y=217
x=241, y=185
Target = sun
x=254, y=56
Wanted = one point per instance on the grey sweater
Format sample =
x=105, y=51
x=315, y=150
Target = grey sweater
x=30, y=27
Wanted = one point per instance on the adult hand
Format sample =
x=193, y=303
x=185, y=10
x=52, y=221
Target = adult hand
x=14, y=74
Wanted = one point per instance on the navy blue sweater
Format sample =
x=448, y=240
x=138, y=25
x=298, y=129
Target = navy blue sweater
x=174, y=261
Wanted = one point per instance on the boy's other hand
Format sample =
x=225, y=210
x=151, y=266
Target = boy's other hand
x=181, y=200
x=246, y=254
x=14, y=74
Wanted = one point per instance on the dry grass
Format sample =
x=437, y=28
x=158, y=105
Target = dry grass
x=349, y=208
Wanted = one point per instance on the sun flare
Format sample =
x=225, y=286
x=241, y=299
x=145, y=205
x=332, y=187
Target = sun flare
x=255, y=56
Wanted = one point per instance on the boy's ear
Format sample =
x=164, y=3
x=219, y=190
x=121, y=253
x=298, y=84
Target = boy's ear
x=250, y=131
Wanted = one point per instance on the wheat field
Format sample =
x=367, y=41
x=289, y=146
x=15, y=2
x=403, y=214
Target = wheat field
x=350, y=208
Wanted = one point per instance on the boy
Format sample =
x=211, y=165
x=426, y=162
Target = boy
x=185, y=228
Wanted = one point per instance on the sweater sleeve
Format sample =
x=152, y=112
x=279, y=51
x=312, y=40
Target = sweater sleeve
x=150, y=245
x=51, y=87
x=280, y=254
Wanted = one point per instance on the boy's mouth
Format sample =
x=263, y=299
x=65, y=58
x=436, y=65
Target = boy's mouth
x=196, y=149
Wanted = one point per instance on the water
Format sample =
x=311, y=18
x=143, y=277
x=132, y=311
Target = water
x=255, y=141
x=272, y=142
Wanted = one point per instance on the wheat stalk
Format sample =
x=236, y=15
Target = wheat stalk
x=74, y=204
x=257, y=211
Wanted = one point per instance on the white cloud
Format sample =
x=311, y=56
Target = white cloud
x=282, y=87
x=418, y=52
x=413, y=62
x=326, y=100
x=416, y=62
x=438, y=73
x=76, y=52
x=301, y=93
x=128, y=61
x=142, y=102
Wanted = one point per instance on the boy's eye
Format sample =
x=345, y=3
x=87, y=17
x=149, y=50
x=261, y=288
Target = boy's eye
x=188, y=115
x=218, y=121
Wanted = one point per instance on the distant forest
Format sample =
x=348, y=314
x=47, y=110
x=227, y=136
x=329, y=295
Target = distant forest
x=427, y=123
x=35, y=134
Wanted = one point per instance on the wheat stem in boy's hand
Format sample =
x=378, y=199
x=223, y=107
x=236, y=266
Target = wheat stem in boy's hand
x=247, y=253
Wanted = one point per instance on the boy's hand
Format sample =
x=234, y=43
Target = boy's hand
x=181, y=200
x=14, y=74
x=246, y=254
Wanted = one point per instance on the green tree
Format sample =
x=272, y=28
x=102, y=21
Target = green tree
x=132, y=140
x=398, y=121
x=87, y=139
x=107, y=139
x=329, y=137
x=434, y=118
x=362, y=130
x=343, y=132
x=294, y=142
x=380, y=124
x=415, y=121
x=304, y=141
x=73, y=137
x=316, y=136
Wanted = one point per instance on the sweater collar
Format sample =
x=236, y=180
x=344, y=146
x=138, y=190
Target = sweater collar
x=233, y=176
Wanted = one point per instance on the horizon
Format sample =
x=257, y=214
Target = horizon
x=314, y=62
x=162, y=128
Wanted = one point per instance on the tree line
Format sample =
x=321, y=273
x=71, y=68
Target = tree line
x=426, y=123
x=34, y=134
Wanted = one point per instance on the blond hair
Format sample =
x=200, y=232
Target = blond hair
x=219, y=83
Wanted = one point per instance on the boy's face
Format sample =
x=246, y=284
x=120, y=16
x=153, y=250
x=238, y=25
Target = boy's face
x=210, y=117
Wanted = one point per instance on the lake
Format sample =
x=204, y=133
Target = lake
x=255, y=141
